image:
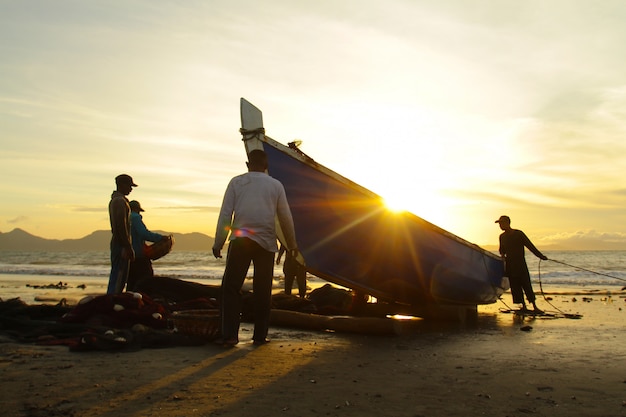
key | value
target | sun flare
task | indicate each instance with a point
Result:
(395, 205)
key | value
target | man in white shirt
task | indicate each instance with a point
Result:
(251, 203)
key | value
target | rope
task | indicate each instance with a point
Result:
(559, 313)
(587, 270)
(251, 134)
(576, 267)
(566, 315)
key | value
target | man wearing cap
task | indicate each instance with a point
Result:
(512, 244)
(121, 248)
(141, 267)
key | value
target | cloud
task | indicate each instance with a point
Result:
(17, 220)
(586, 240)
(204, 209)
(89, 209)
(619, 192)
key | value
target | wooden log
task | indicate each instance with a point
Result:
(346, 324)
(364, 325)
(298, 320)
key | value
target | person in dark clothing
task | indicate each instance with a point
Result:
(122, 253)
(141, 267)
(293, 270)
(512, 244)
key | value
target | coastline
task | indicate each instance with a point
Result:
(503, 364)
(51, 289)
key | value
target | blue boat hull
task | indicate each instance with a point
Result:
(348, 237)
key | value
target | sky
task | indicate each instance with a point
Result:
(456, 111)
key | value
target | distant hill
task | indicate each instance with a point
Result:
(20, 240)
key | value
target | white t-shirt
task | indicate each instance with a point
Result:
(252, 203)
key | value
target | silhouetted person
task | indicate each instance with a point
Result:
(121, 248)
(141, 267)
(293, 270)
(251, 204)
(512, 244)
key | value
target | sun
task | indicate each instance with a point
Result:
(398, 197)
(395, 204)
(430, 206)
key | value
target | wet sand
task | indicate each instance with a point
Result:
(502, 365)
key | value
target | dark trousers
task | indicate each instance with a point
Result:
(241, 252)
(140, 268)
(293, 270)
(520, 284)
(119, 270)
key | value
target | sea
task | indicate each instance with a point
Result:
(47, 277)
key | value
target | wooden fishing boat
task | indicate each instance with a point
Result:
(347, 236)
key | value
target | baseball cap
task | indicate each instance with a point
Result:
(135, 206)
(503, 219)
(125, 179)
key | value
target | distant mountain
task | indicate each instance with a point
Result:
(20, 240)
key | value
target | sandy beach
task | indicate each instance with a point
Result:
(502, 365)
